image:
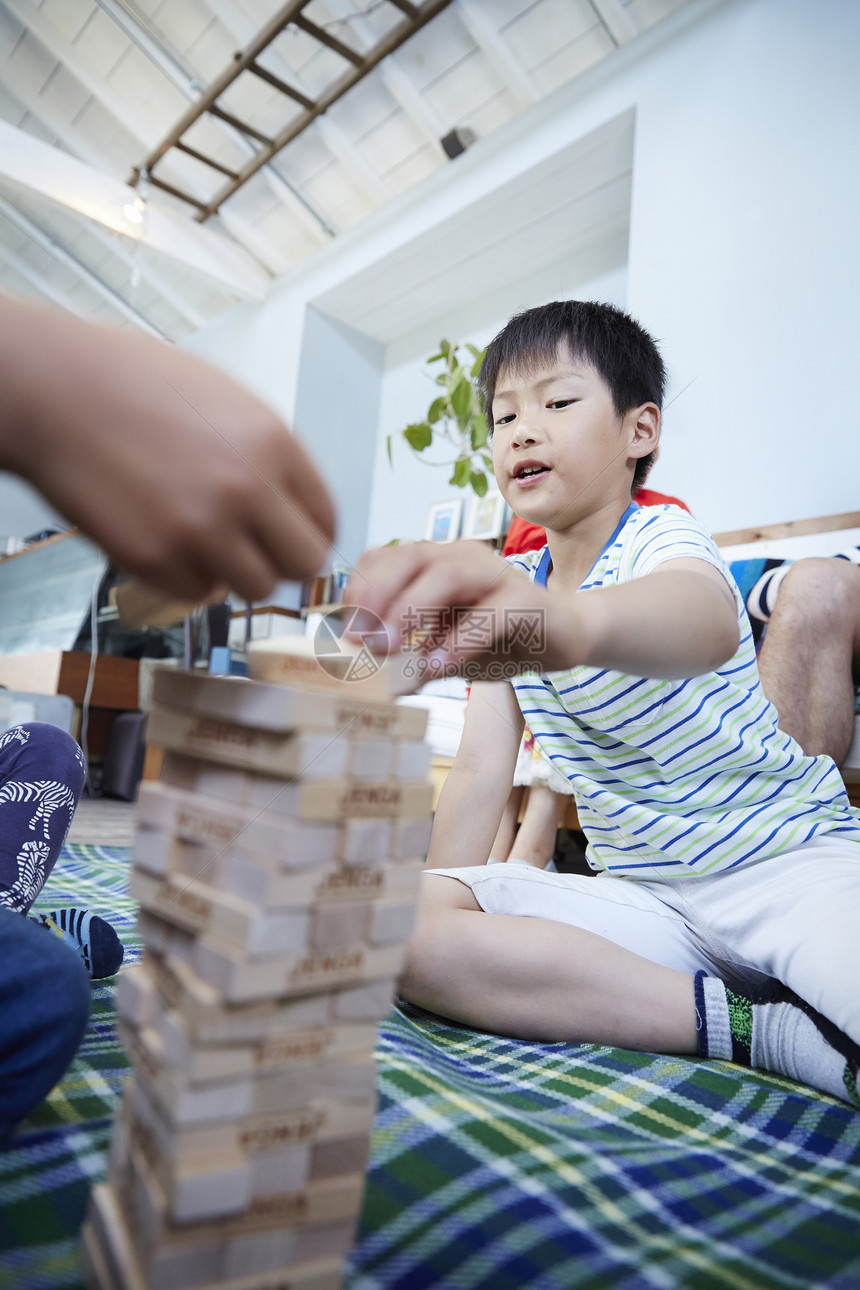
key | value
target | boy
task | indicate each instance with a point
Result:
(723, 918)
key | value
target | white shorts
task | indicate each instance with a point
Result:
(795, 917)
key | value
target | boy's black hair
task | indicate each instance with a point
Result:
(621, 352)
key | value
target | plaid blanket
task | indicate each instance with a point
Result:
(498, 1164)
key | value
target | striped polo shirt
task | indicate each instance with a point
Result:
(679, 777)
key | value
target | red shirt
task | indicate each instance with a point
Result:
(523, 536)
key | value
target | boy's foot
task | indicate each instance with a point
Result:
(771, 1029)
(90, 936)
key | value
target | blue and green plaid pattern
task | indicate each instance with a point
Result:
(498, 1164)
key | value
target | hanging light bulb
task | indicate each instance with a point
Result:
(134, 210)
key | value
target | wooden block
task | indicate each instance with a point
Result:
(391, 922)
(222, 1182)
(410, 837)
(356, 882)
(345, 1155)
(177, 844)
(328, 884)
(411, 760)
(370, 1000)
(162, 937)
(294, 844)
(248, 702)
(239, 980)
(94, 1265)
(205, 1063)
(336, 925)
(294, 1258)
(372, 758)
(358, 799)
(108, 1233)
(279, 707)
(308, 754)
(210, 1020)
(224, 917)
(319, 800)
(222, 1186)
(184, 1149)
(325, 1200)
(364, 841)
(350, 1077)
(136, 996)
(221, 784)
(293, 661)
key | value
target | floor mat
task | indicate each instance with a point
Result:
(498, 1164)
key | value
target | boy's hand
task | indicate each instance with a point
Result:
(468, 612)
(463, 609)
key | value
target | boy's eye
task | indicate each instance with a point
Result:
(503, 420)
(560, 403)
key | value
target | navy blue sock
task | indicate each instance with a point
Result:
(90, 936)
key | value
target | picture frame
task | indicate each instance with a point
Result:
(443, 520)
(485, 517)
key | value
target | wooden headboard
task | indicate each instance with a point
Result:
(791, 528)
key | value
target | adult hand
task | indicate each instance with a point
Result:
(183, 477)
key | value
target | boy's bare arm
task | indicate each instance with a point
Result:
(479, 783)
(181, 475)
(676, 622)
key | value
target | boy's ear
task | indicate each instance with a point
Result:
(644, 428)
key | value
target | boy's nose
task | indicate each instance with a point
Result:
(524, 436)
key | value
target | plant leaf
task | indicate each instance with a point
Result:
(388, 450)
(437, 409)
(461, 401)
(419, 436)
(478, 480)
(479, 434)
(487, 459)
(462, 471)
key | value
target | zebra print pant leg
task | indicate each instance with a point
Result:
(42, 776)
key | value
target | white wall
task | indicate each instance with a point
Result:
(742, 260)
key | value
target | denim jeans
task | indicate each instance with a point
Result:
(44, 987)
(44, 1008)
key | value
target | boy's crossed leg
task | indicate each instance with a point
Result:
(536, 978)
(533, 978)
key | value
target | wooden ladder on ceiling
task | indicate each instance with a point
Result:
(415, 16)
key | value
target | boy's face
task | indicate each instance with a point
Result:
(560, 450)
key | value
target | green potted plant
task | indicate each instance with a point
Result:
(454, 417)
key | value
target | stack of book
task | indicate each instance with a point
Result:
(276, 868)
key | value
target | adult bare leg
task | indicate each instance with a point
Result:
(811, 652)
(540, 980)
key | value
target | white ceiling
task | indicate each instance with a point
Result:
(103, 81)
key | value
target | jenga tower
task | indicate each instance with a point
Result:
(276, 867)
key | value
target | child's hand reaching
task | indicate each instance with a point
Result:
(462, 610)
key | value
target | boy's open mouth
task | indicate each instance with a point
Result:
(528, 472)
